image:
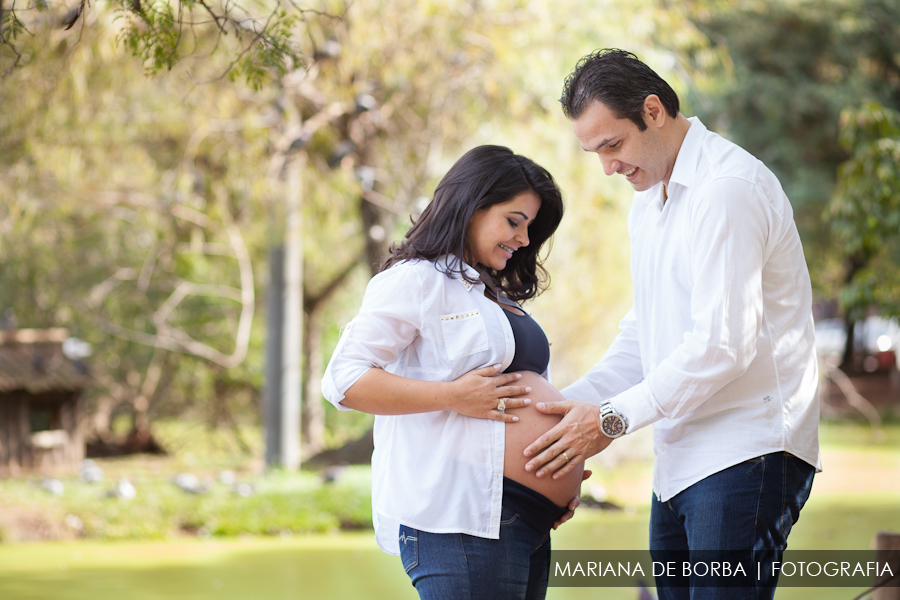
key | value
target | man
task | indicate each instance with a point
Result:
(717, 352)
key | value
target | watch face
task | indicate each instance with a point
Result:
(612, 426)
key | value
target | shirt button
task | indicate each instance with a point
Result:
(662, 447)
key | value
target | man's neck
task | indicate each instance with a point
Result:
(674, 138)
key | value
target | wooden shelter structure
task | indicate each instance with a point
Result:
(40, 407)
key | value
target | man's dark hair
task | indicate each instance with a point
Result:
(620, 81)
(481, 178)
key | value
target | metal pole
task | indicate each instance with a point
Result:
(274, 359)
(292, 340)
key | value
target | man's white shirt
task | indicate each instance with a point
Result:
(718, 350)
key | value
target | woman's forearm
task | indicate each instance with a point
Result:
(475, 394)
(378, 392)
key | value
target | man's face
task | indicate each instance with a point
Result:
(639, 156)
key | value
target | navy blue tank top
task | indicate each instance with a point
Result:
(532, 346)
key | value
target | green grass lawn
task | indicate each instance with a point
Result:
(346, 565)
(856, 496)
(349, 565)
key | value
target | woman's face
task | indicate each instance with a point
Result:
(496, 232)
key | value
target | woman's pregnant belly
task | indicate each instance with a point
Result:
(531, 425)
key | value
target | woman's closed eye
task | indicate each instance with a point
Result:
(513, 224)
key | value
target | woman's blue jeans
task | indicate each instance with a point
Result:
(747, 509)
(456, 566)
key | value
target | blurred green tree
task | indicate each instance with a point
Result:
(141, 221)
(128, 218)
(864, 213)
(781, 74)
(775, 77)
(256, 37)
(128, 193)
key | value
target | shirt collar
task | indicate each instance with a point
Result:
(447, 261)
(450, 264)
(685, 169)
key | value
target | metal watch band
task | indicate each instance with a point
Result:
(612, 423)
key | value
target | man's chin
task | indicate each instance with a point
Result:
(640, 186)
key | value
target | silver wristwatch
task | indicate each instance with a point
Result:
(612, 423)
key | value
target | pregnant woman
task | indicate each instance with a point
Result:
(443, 355)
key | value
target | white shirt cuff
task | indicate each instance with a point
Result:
(638, 406)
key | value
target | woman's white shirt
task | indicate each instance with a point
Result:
(440, 472)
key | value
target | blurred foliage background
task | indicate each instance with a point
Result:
(147, 149)
(149, 155)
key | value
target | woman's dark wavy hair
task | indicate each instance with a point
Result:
(483, 177)
(620, 81)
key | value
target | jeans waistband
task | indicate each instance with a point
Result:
(535, 509)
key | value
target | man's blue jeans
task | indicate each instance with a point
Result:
(451, 566)
(746, 510)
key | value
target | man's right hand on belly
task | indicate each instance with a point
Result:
(576, 438)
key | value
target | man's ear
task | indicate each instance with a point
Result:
(654, 112)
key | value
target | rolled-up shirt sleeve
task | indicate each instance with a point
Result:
(389, 320)
(729, 232)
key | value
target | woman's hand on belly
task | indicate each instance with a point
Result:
(530, 426)
(479, 392)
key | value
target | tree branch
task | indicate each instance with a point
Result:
(310, 301)
(237, 27)
(5, 41)
(215, 17)
(854, 398)
(99, 292)
(176, 339)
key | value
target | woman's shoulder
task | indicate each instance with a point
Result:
(410, 285)
(407, 273)
(426, 270)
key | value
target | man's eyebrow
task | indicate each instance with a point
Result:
(598, 146)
